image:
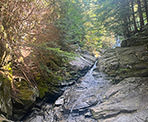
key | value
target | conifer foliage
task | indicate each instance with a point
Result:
(123, 17)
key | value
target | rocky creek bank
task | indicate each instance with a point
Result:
(77, 68)
(119, 95)
(127, 99)
(76, 102)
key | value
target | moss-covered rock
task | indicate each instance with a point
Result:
(5, 96)
(48, 84)
(24, 98)
(27, 93)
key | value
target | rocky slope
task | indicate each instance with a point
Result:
(127, 99)
(124, 102)
(125, 62)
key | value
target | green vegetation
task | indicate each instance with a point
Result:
(38, 38)
(123, 17)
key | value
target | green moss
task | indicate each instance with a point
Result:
(26, 93)
(42, 91)
(43, 88)
(5, 95)
(48, 84)
(124, 70)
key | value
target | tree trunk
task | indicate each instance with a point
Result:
(128, 17)
(140, 14)
(133, 14)
(146, 9)
(126, 27)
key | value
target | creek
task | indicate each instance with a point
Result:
(75, 103)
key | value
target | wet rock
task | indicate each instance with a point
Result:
(36, 119)
(48, 107)
(58, 113)
(95, 74)
(82, 62)
(64, 84)
(91, 100)
(84, 103)
(81, 119)
(59, 101)
(88, 114)
(75, 99)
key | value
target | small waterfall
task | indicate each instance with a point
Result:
(94, 66)
(118, 42)
(90, 78)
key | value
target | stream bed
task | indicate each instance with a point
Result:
(76, 102)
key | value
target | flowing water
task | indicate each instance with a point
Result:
(88, 94)
(78, 100)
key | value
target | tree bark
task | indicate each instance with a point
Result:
(126, 27)
(140, 14)
(146, 9)
(133, 14)
(128, 17)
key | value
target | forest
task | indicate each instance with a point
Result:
(39, 39)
